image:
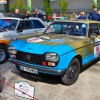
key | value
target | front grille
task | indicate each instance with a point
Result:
(30, 58)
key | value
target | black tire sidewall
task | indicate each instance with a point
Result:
(65, 77)
(6, 54)
(1, 87)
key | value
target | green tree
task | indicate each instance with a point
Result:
(63, 4)
(20, 4)
(47, 8)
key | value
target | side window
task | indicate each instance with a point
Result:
(37, 24)
(25, 25)
(20, 26)
(94, 29)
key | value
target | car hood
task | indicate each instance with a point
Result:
(48, 43)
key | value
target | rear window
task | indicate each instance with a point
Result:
(37, 24)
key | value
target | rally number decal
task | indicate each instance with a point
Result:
(97, 47)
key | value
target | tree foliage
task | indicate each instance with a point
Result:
(20, 4)
(47, 7)
(63, 4)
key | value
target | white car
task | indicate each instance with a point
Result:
(16, 28)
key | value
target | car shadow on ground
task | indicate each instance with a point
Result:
(45, 78)
(50, 79)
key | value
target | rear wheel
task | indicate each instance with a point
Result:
(3, 54)
(72, 73)
(0, 86)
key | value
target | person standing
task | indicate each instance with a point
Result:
(38, 14)
(27, 14)
(95, 16)
(76, 15)
(82, 16)
(17, 13)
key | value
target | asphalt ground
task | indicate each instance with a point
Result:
(49, 87)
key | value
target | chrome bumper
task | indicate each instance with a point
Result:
(40, 69)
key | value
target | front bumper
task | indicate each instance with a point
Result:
(40, 69)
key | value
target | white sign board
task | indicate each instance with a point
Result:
(23, 89)
(3, 1)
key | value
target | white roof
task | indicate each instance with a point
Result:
(20, 18)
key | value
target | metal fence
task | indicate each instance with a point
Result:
(70, 11)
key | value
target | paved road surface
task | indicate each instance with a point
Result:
(50, 88)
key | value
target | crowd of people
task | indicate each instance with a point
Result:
(27, 14)
(92, 16)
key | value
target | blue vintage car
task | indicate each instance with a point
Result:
(63, 49)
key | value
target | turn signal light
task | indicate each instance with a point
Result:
(51, 64)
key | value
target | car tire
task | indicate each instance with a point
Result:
(0, 86)
(72, 73)
(3, 54)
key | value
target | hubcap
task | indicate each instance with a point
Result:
(2, 55)
(73, 72)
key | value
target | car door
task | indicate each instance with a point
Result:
(93, 44)
(25, 29)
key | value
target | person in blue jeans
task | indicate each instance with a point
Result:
(82, 16)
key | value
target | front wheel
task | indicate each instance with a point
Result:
(3, 54)
(72, 73)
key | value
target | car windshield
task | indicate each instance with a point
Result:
(9, 24)
(69, 28)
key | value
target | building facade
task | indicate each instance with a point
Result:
(73, 4)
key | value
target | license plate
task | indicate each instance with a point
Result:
(30, 70)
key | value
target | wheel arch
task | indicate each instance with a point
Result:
(3, 45)
(79, 57)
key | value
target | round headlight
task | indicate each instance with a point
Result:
(12, 50)
(52, 57)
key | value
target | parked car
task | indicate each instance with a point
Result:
(63, 49)
(15, 28)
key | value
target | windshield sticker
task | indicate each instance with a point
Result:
(56, 40)
(83, 25)
(34, 39)
(97, 47)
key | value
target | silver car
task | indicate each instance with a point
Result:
(16, 28)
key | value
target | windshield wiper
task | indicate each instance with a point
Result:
(76, 34)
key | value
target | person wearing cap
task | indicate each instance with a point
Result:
(82, 16)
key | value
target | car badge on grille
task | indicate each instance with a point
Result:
(28, 57)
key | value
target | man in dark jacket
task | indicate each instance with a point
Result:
(38, 14)
(95, 16)
(82, 16)
(16, 14)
